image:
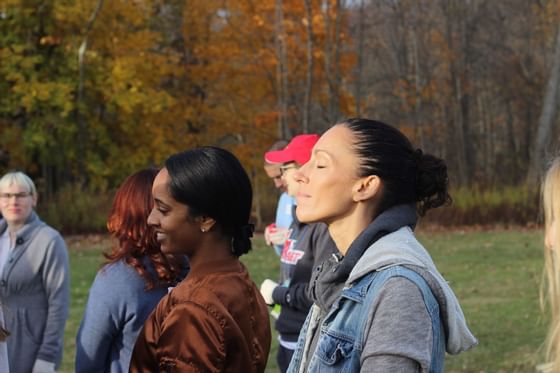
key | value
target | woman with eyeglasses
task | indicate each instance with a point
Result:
(34, 286)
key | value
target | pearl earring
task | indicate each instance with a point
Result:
(202, 230)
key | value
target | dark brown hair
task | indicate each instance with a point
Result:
(408, 175)
(211, 181)
(128, 224)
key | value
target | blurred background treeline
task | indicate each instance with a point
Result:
(92, 90)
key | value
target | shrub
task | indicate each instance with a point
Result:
(508, 206)
(74, 210)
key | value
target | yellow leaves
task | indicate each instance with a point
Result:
(157, 81)
(33, 94)
(127, 90)
(20, 68)
(17, 58)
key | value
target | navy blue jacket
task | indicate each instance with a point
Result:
(316, 245)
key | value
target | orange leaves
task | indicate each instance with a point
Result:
(159, 77)
(258, 20)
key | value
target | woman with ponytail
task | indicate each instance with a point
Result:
(380, 304)
(215, 320)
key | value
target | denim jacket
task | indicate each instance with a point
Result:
(343, 331)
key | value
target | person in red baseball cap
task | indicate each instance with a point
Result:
(305, 247)
(298, 150)
(275, 234)
(293, 156)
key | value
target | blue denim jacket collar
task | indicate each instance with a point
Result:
(342, 332)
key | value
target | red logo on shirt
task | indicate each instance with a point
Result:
(289, 255)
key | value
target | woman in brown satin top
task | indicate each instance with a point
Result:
(215, 320)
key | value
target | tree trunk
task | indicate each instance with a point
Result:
(360, 63)
(309, 77)
(418, 84)
(82, 127)
(458, 73)
(326, 6)
(281, 73)
(335, 92)
(546, 119)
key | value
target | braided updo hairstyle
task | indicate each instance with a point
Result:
(408, 175)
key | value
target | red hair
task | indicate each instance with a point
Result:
(128, 224)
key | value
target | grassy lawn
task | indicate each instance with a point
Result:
(495, 275)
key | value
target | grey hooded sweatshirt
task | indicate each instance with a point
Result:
(402, 248)
(396, 326)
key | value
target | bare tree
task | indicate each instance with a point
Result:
(281, 72)
(337, 76)
(546, 119)
(360, 54)
(82, 127)
(309, 73)
(332, 58)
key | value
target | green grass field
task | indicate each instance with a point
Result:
(496, 276)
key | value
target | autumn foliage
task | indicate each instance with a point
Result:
(93, 90)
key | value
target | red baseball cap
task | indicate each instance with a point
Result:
(298, 150)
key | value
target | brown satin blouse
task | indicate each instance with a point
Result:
(213, 321)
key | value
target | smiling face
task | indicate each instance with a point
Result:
(328, 181)
(16, 204)
(176, 230)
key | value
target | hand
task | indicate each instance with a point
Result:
(42, 366)
(270, 229)
(274, 235)
(267, 287)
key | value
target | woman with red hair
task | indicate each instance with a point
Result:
(129, 286)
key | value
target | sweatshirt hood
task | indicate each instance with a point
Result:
(402, 248)
(327, 282)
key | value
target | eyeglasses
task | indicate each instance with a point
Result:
(20, 195)
(283, 169)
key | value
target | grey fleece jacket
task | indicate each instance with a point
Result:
(35, 293)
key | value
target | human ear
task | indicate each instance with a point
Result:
(206, 223)
(366, 188)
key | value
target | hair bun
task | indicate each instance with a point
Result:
(247, 230)
(241, 242)
(431, 182)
